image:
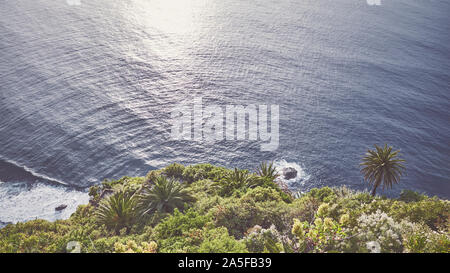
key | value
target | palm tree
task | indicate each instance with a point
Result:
(382, 166)
(237, 179)
(164, 196)
(118, 211)
(267, 170)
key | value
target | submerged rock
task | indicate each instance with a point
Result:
(61, 207)
(4, 224)
(289, 173)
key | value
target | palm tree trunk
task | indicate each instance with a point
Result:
(375, 186)
(374, 190)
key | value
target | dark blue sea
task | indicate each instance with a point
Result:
(87, 87)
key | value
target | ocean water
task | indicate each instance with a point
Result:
(86, 90)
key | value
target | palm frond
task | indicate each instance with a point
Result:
(267, 170)
(382, 167)
(118, 211)
(164, 196)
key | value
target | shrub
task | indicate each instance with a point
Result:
(204, 171)
(411, 196)
(323, 235)
(126, 184)
(132, 247)
(253, 214)
(381, 228)
(240, 214)
(151, 176)
(323, 210)
(261, 194)
(180, 232)
(324, 194)
(218, 240)
(204, 188)
(177, 223)
(260, 240)
(174, 171)
(237, 216)
(432, 211)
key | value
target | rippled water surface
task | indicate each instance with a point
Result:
(86, 90)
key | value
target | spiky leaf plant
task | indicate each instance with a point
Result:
(164, 196)
(118, 211)
(382, 166)
(267, 170)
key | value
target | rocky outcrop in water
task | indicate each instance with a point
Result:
(289, 173)
(61, 207)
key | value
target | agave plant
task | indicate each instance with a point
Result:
(164, 196)
(118, 211)
(267, 170)
(382, 166)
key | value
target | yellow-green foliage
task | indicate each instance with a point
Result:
(132, 247)
(249, 214)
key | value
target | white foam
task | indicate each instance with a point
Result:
(301, 178)
(21, 202)
(34, 173)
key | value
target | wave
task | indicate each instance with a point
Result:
(27, 195)
(23, 171)
(22, 201)
(297, 182)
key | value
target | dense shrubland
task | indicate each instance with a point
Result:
(204, 208)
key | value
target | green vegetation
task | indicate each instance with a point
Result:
(118, 211)
(204, 208)
(267, 170)
(163, 196)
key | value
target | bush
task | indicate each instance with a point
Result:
(178, 223)
(218, 240)
(260, 240)
(204, 171)
(240, 214)
(132, 247)
(431, 211)
(411, 196)
(261, 194)
(174, 171)
(181, 232)
(379, 227)
(324, 235)
(237, 217)
(247, 213)
(324, 194)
